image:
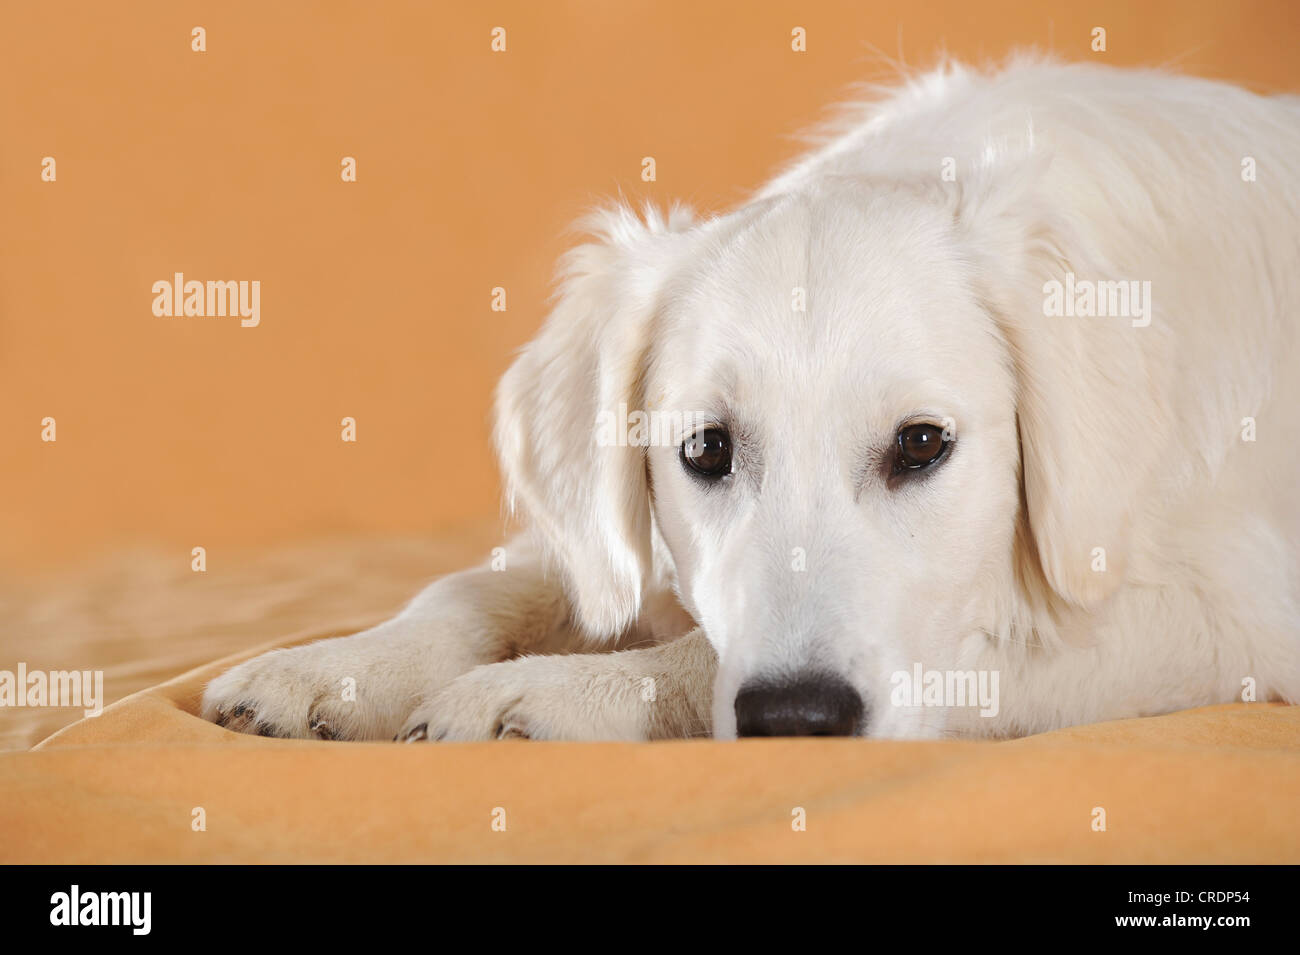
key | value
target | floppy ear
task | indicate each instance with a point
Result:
(1093, 410)
(588, 499)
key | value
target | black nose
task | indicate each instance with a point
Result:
(814, 704)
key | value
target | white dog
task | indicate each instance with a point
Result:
(981, 420)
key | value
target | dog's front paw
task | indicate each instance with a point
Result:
(295, 694)
(547, 697)
(490, 702)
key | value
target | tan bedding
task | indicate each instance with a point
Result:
(1219, 784)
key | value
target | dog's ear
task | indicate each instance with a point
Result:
(587, 498)
(1092, 406)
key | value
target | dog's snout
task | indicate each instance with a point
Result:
(816, 704)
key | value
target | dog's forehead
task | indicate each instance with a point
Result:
(822, 261)
(844, 281)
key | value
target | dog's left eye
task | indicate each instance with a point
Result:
(919, 446)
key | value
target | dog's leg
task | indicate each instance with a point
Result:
(663, 692)
(364, 686)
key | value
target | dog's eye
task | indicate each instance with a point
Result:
(708, 453)
(919, 446)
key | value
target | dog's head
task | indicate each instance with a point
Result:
(837, 423)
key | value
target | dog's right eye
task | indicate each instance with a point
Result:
(708, 453)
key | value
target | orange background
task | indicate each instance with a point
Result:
(174, 432)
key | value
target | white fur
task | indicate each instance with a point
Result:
(924, 297)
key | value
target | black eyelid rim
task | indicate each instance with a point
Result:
(934, 419)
